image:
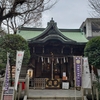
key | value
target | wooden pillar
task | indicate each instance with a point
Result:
(71, 70)
(52, 65)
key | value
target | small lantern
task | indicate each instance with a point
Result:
(30, 73)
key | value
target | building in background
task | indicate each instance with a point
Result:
(91, 27)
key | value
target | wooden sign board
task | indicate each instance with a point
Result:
(52, 83)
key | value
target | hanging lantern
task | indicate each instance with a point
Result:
(30, 73)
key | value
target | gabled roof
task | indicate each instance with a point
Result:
(41, 35)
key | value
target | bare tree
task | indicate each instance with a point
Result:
(14, 13)
(95, 5)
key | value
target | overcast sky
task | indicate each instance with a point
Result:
(69, 14)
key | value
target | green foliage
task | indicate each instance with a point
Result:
(98, 83)
(92, 51)
(11, 43)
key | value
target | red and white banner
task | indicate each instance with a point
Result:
(86, 76)
(19, 59)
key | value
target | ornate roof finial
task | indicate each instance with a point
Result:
(51, 22)
(52, 18)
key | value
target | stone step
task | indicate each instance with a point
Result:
(56, 98)
(23, 72)
(54, 94)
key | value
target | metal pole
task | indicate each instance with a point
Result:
(52, 65)
(92, 84)
(52, 69)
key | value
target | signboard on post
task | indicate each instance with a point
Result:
(7, 91)
(8, 94)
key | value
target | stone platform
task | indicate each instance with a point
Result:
(58, 94)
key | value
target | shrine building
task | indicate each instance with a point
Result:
(52, 51)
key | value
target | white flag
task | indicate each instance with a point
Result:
(19, 59)
(64, 59)
(57, 60)
(86, 76)
(48, 60)
(42, 59)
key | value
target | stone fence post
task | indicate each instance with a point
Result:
(27, 85)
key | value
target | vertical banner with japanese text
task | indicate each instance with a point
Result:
(19, 59)
(7, 93)
(86, 76)
(78, 70)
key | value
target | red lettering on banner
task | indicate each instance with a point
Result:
(19, 54)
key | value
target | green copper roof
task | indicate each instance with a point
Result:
(52, 32)
(76, 36)
(29, 34)
(73, 35)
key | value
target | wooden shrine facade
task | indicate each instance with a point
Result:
(52, 54)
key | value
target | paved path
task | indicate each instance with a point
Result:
(54, 93)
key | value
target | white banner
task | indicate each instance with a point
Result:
(93, 76)
(19, 59)
(86, 76)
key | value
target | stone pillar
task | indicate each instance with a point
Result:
(27, 85)
(19, 91)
